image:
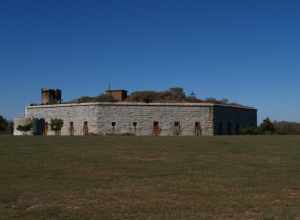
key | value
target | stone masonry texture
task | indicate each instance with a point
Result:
(139, 118)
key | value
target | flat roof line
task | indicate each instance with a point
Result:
(137, 104)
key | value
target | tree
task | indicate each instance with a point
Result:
(177, 92)
(3, 124)
(267, 127)
(10, 127)
(56, 125)
(193, 95)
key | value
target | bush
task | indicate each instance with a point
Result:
(144, 96)
(267, 127)
(173, 94)
(100, 98)
(56, 125)
(250, 131)
(25, 128)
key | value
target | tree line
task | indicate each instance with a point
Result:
(269, 127)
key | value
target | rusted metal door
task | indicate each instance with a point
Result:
(156, 128)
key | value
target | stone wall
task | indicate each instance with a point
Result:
(131, 118)
(139, 118)
(230, 120)
(77, 114)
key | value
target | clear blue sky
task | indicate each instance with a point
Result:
(245, 50)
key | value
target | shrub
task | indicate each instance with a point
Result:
(56, 125)
(144, 96)
(174, 94)
(267, 127)
(251, 131)
(100, 98)
(25, 128)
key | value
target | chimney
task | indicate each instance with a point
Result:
(51, 96)
(118, 95)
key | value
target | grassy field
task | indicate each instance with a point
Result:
(150, 178)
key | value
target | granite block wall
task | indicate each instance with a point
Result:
(138, 119)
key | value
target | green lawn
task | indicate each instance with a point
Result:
(150, 178)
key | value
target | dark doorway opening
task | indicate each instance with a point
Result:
(177, 129)
(156, 128)
(85, 128)
(71, 128)
(198, 131)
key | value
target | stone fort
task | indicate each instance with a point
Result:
(139, 118)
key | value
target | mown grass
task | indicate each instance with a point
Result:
(150, 177)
